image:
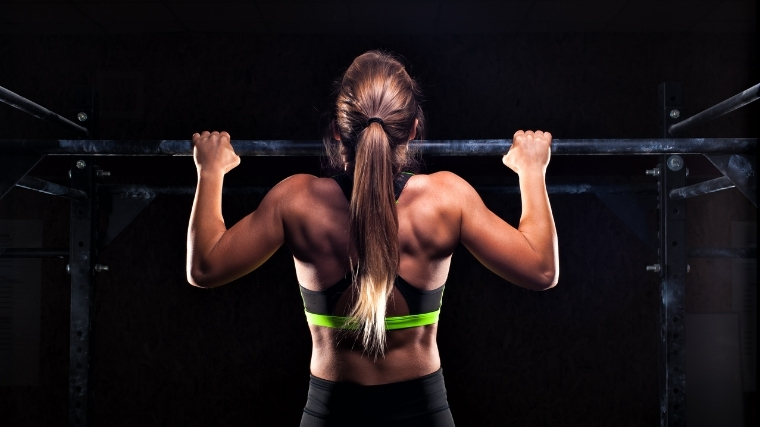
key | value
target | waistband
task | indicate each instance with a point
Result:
(397, 401)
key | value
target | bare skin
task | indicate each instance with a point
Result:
(310, 215)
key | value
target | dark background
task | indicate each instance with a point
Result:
(166, 353)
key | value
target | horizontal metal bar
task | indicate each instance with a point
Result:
(46, 187)
(34, 253)
(147, 191)
(478, 147)
(718, 110)
(722, 253)
(710, 186)
(27, 106)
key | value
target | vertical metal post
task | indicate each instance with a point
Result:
(81, 270)
(673, 268)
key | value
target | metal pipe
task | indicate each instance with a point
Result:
(718, 110)
(481, 147)
(27, 106)
(722, 252)
(710, 186)
(34, 253)
(46, 187)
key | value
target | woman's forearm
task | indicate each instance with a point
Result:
(537, 223)
(206, 224)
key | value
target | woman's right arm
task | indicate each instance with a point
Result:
(526, 256)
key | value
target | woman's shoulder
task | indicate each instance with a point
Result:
(445, 190)
(306, 189)
(441, 182)
(300, 182)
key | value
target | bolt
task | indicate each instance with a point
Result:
(655, 268)
(103, 173)
(101, 268)
(675, 163)
(653, 172)
(675, 114)
(68, 268)
(69, 173)
(81, 164)
(687, 171)
(82, 116)
(688, 268)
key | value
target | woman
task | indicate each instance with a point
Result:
(372, 248)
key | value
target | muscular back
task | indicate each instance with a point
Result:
(316, 231)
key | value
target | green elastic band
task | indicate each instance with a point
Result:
(391, 323)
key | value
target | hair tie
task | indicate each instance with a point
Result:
(374, 120)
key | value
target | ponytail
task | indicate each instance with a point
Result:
(377, 110)
(374, 234)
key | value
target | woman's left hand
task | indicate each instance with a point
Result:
(213, 151)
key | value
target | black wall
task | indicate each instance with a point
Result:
(165, 353)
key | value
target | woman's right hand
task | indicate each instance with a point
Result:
(213, 151)
(529, 150)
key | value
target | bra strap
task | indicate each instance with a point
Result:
(346, 183)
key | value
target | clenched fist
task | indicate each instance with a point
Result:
(213, 151)
(529, 150)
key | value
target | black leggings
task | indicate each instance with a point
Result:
(420, 402)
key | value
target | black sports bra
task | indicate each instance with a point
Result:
(419, 301)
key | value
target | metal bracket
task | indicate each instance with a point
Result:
(122, 210)
(633, 210)
(741, 170)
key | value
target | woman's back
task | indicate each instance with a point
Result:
(316, 233)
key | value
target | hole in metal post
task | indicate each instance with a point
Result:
(675, 390)
(675, 211)
(675, 319)
(79, 349)
(80, 244)
(78, 389)
(80, 212)
(675, 243)
(79, 333)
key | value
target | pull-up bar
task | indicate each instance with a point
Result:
(476, 147)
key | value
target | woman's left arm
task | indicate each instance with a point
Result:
(216, 255)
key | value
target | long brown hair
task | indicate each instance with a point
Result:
(376, 85)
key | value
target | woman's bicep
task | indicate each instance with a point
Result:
(245, 246)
